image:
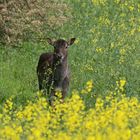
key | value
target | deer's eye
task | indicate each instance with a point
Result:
(66, 47)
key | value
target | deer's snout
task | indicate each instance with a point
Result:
(59, 56)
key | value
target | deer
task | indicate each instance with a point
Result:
(53, 71)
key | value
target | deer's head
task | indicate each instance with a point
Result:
(60, 48)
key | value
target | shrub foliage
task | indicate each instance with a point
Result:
(25, 20)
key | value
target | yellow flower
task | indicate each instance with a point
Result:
(99, 2)
(99, 49)
(122, 51)
(111, 118)
(76, 41)
(91, 138)
(122, 83)
(88, 88)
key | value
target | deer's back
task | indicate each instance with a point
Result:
(45, 61)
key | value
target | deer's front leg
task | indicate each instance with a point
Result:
(65, 86)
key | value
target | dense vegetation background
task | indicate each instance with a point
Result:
(106, 50)
(103, 100)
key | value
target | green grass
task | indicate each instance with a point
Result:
(107, 50)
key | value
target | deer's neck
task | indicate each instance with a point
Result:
(60, 71)
(57, 64)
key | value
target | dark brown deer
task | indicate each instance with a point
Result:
(52, 69)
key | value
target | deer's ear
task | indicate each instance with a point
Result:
(50, 41)
(71, 41)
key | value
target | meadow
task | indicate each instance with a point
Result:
(103, 99)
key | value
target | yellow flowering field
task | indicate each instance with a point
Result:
(115, 117)
(103, 102)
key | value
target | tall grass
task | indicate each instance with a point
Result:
(107, 50)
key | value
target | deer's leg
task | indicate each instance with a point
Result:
(65, 86)
(39, 82)
(51, 98)
(40, 86)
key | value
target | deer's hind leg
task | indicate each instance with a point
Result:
(40, 81)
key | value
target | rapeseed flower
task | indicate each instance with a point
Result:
(113, 117)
